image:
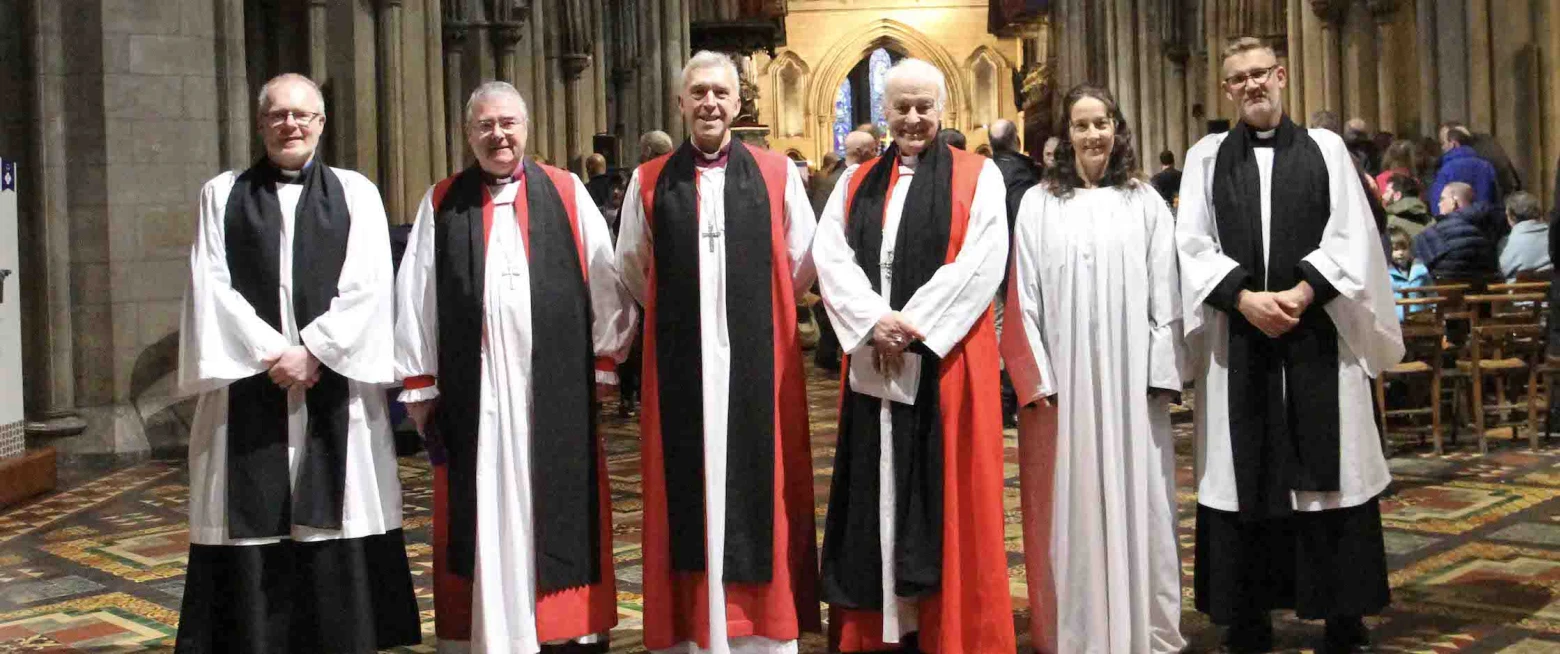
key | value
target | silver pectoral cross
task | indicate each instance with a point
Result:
(888, 263)
(511, 273)
(712, 232)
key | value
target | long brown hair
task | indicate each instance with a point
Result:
(1122, 170)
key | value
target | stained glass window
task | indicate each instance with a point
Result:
(878, 65)
(843, 116)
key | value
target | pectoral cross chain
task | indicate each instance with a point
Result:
(712, 232)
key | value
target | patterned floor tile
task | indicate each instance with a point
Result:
(1536, 533)
(1473, 542)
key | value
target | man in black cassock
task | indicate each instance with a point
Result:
(1289, 311)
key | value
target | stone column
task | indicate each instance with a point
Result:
(317, 42)
(438, 166)
(1295, 34)
(674, 53)
(1152, 87)
(574, 66)
(541, 80)
(455, 35)
(1359, 63)
(390, 116)
(1176, 115)
(549, 14)
(1429, 97)
(52, 381)
(1382, 13)
(1126, 64)
(1481, 96)
(1331, 13)
(600, 64)
(653, 96)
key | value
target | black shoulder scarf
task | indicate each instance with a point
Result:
(851, 559)
(261, 501)
(750, 429)
(1283, 393)
(564, 476)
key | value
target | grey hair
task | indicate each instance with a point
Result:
(263, 100)
(916, 69)
(493, 89)
(1522, 205)
(654, 144)
(708, 59)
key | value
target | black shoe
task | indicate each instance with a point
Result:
(1249, 636)
(1345, 636)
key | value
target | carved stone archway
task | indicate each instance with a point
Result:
(837, 62)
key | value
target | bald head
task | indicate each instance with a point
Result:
(1003, 135)
(860, 147)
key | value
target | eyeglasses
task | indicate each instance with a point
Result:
(279, 118)
(509, 125)
(1260, 76)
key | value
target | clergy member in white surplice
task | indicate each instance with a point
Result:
(295, 506)
(1094, 348)
(1289, 312)
(910, 251)
(714, 244)
(507, 301)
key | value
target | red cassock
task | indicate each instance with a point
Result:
(675, 603)
(973, 611)
(565, 614)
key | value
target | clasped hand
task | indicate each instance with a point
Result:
(1275, 313)
(890, 337)
(294, 366)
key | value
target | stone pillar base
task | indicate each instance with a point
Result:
(756, 135)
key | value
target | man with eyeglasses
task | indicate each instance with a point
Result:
(1289, 310)
(510, 314)
(295, 504)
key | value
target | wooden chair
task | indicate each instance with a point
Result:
(1424, 329)
(1506, 336)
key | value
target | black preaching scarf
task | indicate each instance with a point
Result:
(261, 502)
(564, 477)
(1283, 393)
(852, 572)
(750, 427)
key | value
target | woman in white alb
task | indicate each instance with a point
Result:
(1093, 347)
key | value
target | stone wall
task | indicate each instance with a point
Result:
(828, 37)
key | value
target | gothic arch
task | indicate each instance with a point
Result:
(789, 75)
(838, 61)
(990, 86)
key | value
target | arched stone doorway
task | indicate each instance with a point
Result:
(894, 38)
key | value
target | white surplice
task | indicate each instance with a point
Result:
(504, 580)
(1094, 276)
(1369, 339)
(636, 256)
(223, 340)
(943, 309)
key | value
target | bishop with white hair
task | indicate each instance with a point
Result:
(295, 506)
(910, 250)
(508, 279)
(714, 243)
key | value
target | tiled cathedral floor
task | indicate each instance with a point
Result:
(1473, 542)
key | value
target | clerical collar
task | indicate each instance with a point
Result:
(494, 180)
(717, 159)
(1264, 139)
(910, 160)
(285, 176)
